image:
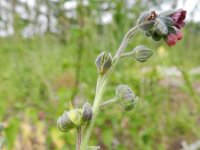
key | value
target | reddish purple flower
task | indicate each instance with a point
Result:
(173, 38)
(168, 25)
(178, 18)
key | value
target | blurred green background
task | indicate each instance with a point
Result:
(47, 54)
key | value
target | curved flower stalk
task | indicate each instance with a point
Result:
(167, 26)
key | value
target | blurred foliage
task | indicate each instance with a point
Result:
(38, 76)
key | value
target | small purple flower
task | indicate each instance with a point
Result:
(178, 18)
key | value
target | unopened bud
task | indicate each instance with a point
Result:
(64, 123)
(161, 28)
(75, 118)
(146, 21)
(126, 96)
(87, 112)
(104, 62)
(142, 53)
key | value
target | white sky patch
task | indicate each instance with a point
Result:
(43, 9)
(188, 5)
(105, 18)
(69, 5)
(31, 3)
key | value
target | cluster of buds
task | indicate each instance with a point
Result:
(166, 25)
(75, 118)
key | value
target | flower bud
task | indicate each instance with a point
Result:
(126, 96)
(87, 112)
(103, 62)
(64, 123)
(146, 21)
(142, 53)
(75, 118)
(161, 28)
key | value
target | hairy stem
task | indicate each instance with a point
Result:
(108, 102)
(126, 54)
(78, 142)
(101, 85)
(125, 41)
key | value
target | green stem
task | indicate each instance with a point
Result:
(125, 41)
(128, 54)
(101, 85)
(78, 142)
(109, 102)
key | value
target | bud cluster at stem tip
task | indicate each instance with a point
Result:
(166, 25)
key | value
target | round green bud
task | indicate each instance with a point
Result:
(64, 123)
(142, 53)
(126, 96)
